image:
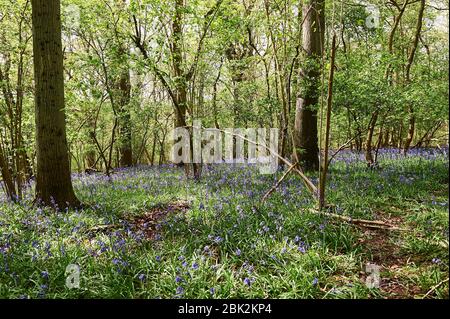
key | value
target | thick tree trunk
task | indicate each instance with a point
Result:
(53, 180)
(305, 128)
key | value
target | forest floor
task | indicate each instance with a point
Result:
(150, 233)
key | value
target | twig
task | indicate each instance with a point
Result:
(278, 183)
(342, 147)
(434, 288)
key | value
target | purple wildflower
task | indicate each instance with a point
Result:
(44, 275)
(180, 290)
(436, 261)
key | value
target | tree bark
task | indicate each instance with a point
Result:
(305, 128)
(412, 118)
(125, 149)
(373, 121)
(53, 180)
(6, 177)
(125, 127)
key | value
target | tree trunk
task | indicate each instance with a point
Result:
(125, 149)
(412, 118)
(369, 156)
(53, 180)
(6, 177)
(181, 101)
(305, 128)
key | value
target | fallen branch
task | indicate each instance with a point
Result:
(374, 224)
(342, 147)
(309, 184)
(305, 179)
(102, 228)
(274, 188)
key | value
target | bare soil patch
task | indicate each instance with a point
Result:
(149, 221)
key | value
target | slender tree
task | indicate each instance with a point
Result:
(53, 181)
(124, 88)
(126, 150)
(412, 54)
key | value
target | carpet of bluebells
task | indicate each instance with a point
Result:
(230, 245)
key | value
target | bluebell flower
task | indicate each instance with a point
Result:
(44, 274)
(238, 252)
(180, 290)
(436, 261)
(62, 250)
